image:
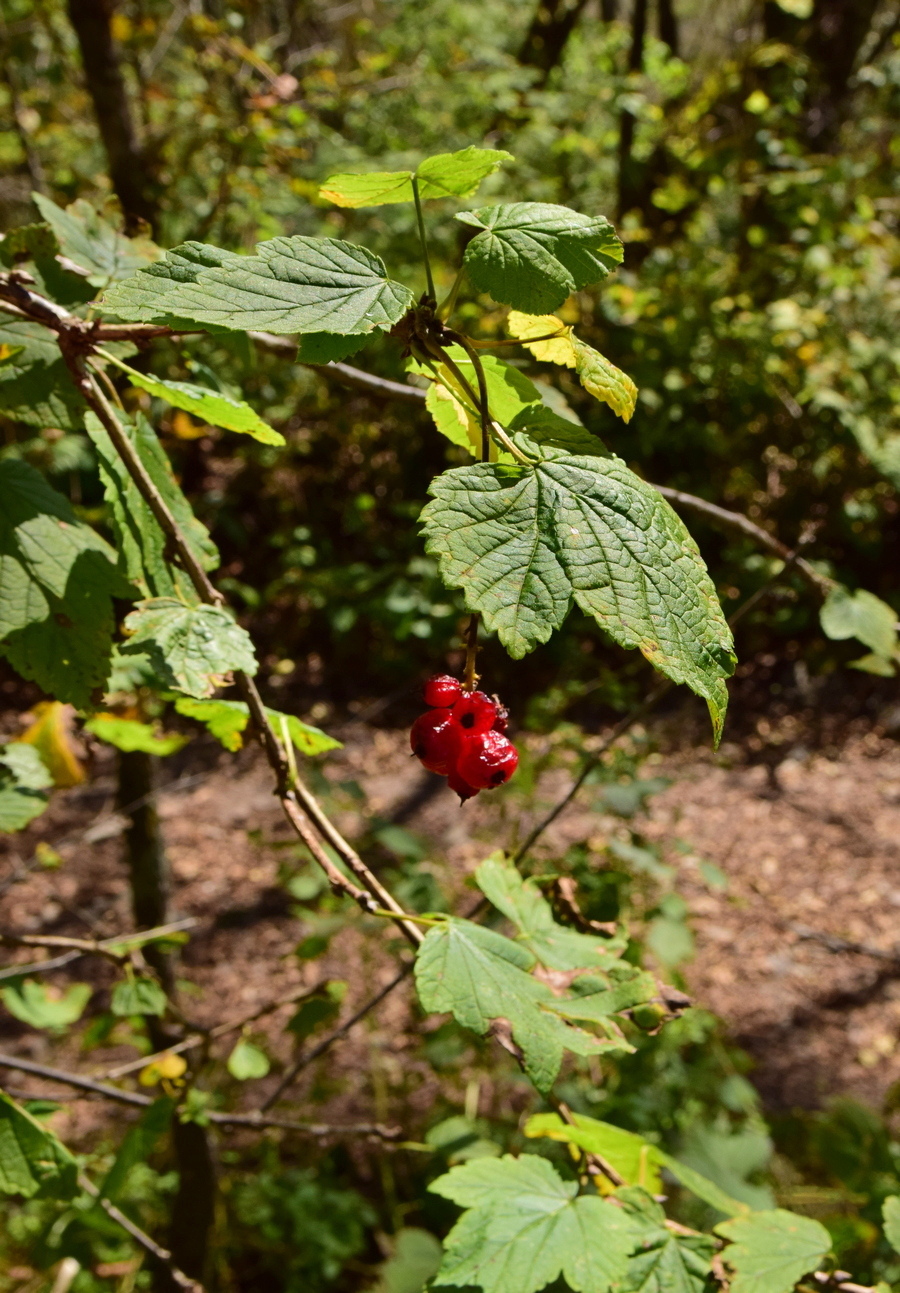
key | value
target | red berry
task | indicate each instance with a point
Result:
(474, 712)
(501, 722)
(488, 759)
(435, 740)
(442, 689)
(461, 786)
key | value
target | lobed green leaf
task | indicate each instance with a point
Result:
(194, 649)
(770, 1251)
(24, 782)
(446, 175)
(32, 1160)
(525, 542)
(533, 255)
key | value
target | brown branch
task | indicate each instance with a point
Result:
(140, 1237)
(737, 521)
(833, 943)
(87, 947)
(255, 1118)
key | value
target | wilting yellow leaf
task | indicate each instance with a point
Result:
(558, 350)
(50, 732)
(169, 1067)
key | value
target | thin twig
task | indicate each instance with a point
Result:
(87, 947)
(327, 1042)
(140, 1237)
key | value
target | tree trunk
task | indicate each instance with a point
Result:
(609, 10)
(547, 36)
(627, 179)
(106, 86)
(668, 25)
(194, 1206)
(831, 38)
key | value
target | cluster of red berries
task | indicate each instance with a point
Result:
(462, 737)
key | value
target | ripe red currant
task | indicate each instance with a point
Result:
(487, 759)
(435, 739)
(501, 722)
(442, 689)
(461, 786)
(475, 712)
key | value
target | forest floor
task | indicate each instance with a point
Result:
(811, 855)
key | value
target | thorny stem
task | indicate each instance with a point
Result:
(421, 220)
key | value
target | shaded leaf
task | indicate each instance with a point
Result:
(142, 544)
(860, 615)
(524, 542)
(41, 1007)
(137, 1145)
(416, 1257)
(57, 578)
(533, 255)
(890, 1211)
(24, 779)
(524, 1226)
(193, 648)
(129, 734)
(770, 1251)
(328, 347)
(138, 996)
(92, 242)
(32, 1160)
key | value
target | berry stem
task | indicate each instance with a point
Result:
(470, 677)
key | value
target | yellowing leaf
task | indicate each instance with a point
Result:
(559, 350)
(185, 429)
(603, 380)
(50, 732)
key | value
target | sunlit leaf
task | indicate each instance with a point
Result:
(194, 649)
(32, 1160)
(770, 1251)
(128, 734)
(24, 780)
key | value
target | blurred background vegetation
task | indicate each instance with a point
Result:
(748, 152)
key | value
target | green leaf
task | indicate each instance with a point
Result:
(633, 1157)
(510, 394)
(138, 996)
(24, 781)
(35, 384)
(291, 285)
(860, 615)
(128, 734)
(137, 1145)
(148, 296)
(770, 1251)
(33, 1003)
(416, 1257)
(193, 648)
(212, 406)
(541, 432)
(458, 175)
(664, 1262)
(524, 542)
(447, 175)
(604, 381)
(57, 578)
(524, 1226)
(313, 1013)
(480, 976)
(555, 946)
(726, 1160)
(328, 347)
(890, 1211)
(91, 242)
(227, 719)
(141, 542)
(533, 255)
(32, 1160)
(247, 1061)
(872, 663)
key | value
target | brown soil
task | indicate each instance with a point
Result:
(813, 850)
